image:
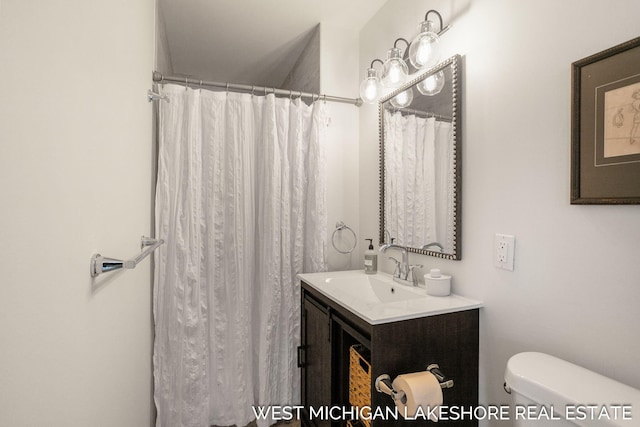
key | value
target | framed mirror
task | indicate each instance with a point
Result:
(420, 163)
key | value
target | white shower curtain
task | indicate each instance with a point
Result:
(240, 202)
(419, 181)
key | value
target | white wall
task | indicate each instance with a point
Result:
(574, 292)
(75, 178)
(163, 57)
(339, 73)
(305, 73)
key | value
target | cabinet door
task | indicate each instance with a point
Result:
(316, 355)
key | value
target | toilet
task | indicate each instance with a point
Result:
(547, 391)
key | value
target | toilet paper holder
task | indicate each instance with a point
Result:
(383, 383)
(442, 379)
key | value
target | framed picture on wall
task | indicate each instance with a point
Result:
(605, 126)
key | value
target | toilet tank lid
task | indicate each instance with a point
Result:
(548, 380)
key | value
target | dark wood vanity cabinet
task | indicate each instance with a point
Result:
(329, 330)
(315, 355)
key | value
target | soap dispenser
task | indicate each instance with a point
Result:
(370, 259)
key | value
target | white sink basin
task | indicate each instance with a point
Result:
(370, 289)
(378, 299)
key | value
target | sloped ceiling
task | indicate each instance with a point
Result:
(250, 41)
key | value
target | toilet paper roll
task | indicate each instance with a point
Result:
(421, 389)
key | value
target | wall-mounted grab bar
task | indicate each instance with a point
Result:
(100, 264)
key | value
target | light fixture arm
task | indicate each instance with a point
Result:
(401, 39)
(376, 60)
(442, 28)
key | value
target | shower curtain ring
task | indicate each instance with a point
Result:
(290, 94)
(227, 87)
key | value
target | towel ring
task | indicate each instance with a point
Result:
(339, 227)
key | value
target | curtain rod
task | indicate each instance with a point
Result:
(159, 78)
(420, 113)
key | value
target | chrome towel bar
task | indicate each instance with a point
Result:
(100, 264)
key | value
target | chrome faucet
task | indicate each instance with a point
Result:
(403, 269)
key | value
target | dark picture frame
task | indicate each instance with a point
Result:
(605, 126)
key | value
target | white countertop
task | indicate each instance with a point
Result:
(377, 299)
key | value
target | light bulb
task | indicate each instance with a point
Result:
(370, 88)
(395, 69)
(424, 51)
(403, 99)
(432, 85)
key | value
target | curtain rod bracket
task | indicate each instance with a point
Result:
(153, 96)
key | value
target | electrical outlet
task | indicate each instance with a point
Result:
(504, 249)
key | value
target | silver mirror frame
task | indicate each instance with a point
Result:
(454, 62)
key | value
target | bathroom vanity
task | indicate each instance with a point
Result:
(404, 330)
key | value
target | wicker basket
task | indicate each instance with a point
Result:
(358, 423)
(360, 378)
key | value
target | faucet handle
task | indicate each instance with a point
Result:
(414, 278)
(396, 271)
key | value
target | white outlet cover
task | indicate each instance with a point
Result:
(503, 251)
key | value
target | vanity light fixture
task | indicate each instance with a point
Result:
(424, 50)
(371, 86)
(395, 71)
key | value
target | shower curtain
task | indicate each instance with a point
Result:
(240, 201)
(419, 182)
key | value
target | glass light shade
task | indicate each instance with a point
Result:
(424, 51)
(395, 69)
(432, 85)
(371, 87)
(403, 99)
